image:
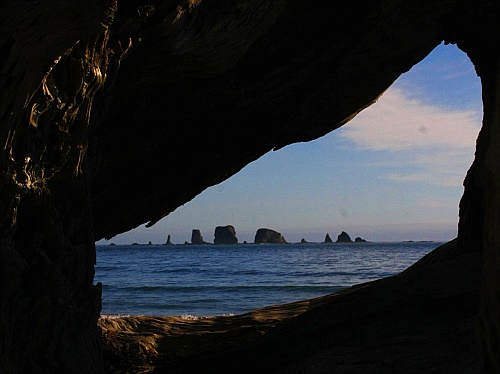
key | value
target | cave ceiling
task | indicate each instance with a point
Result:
(189, 92)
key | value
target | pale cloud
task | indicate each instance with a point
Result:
(428, 143)
(397, 122)
(429, 177)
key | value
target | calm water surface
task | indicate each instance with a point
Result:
(207, 280)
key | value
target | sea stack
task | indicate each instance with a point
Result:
(268, 236)
(359, 240)
(225, 235)
(196, 237)
(303, 241)
(328, 239)
(169, 241)
(344, 238)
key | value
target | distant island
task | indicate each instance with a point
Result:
(343, 237)
(226, 235)
(268, 236)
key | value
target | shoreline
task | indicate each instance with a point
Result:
(401, 324)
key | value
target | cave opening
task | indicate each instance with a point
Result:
(395, 160)
(123, 91)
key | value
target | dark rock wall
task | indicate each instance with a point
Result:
(114, 113)
(477, 32)
(489, 216)
(53, 60)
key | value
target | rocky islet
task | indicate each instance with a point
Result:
(226, 235)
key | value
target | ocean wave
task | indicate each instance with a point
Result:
(113, 316)
(235, 279)
(191, 317)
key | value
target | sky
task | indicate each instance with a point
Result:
(393, 173)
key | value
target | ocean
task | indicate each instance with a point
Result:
(209, 280)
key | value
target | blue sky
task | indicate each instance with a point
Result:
(393, 173)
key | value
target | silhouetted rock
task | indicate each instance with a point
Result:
(196, 237)
(303, 241)
(328, 239)
(268, 236)
(359, 240)
(225, 235)
(74, 159)
(344, 238)
(169, 242)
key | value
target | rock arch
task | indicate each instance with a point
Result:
(104, 102)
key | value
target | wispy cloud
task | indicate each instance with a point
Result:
(433, 144)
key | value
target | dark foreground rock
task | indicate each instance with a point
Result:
(268, 236)
(420, 321)
(344, 238)
(225, 235)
